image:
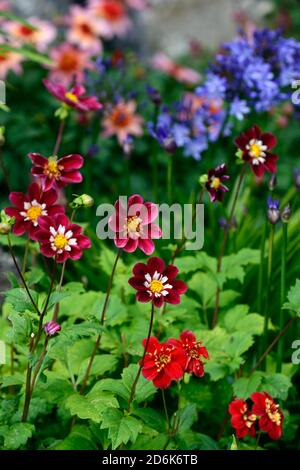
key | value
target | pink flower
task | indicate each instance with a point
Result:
(182, 74)
(112, 17)
(61, 239)
(122, 121)
(29, 207)
(73, 97)
(134, 225)
(9, 61)
(51, 328)
(69, 64)
(40, 36)
(53, 172)
(156, 282)
(84, 29)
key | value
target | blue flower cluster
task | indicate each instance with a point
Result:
(249, 74)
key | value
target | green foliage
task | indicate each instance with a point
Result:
(16, 435)
(121, 428)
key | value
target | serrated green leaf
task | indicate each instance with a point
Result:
(80, 438)
(80, 406)
(20, 300)
(17, 435)
(101, 364)
(294, 299)
(144, 389)
(245, 386)
(121, 428)
(277, 385)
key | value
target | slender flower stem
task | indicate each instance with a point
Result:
(38, 365)
(274, 342)
(262, 269)
(28, 385)
(59, 137)
(166, 409)
(25, 257)
(59, 287)
(269, 279)
(102, 319)
(224, 243)
(21, 275)
(282, 294)
(45, 308)
(133, 388)
(170, 179)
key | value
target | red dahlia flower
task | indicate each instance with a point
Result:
(269, 413)
(60, 238)
(256, 147)
(73, 97)
(31, 206)
(214, 184)
(194, 353)
(242, 420)
(134, 225)
(54, 172)
(163, 362)
(156, 283)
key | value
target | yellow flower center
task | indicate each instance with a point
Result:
(272, 412)
(156, 286)
(60, 241)
(193, 354)
(255, 150)
(52, 168)
(133, 224)
(34, 213)
(215, 184)
(71, 97)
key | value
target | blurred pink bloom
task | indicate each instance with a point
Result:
(112, 17)
(10, 61)
(73, 97)
(162, 62)
(84, 29)
(69, 64)
(122, 121)
(40, 36)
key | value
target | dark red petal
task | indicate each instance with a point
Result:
(143, 296)
(137, 283)
(71, 162)
(269, 140)
(158, 301)
(171, 272)
(140, 269)
(179, 286)
(71, 177)
(18, 199)
(155, 264)
(131, 245)
(38, 159)
(135, 199)
(173, 297)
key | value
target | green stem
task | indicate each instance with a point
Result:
(269, 279)
(25, 257)
(133, 388)
(169, 179)
(262, 269)
(166, 409)
(59, 137)
(282, 294)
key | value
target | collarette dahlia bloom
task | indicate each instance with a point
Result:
(163, 363)
(29, 207)
(84, 29)
(242, 420)
(214, 182)
(255, 147)
(69, 64)
(60, 238)
(53, 172)
(269, 413)
(74, 97)
(122, 121)
(40, 35)
(156, 283)
(133, 224)
(194, 352)
(186, 75)
(112, 16)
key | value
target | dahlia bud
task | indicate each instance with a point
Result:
(273, 182)
(297, 178)
(286, 214)
(154, 95)
(239, 155)
(51, 328)
(82, 201)
(203, 180)
(273, 211)
(6, 223)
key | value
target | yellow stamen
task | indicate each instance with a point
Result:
(133, 224)
(255, 150)
(272, 412)
(71, 97)
(156, 286)
(52, 168)
(216, 182)
(34, 213)
(60, 241)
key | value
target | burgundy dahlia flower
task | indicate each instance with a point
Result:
(74, 97)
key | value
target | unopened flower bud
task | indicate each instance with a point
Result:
(154, 95)
(4, 228)
(82, 201)
(6, 223)
(286, 214)
(239, 155)
(273, 211)
(203, 180)
(51, 328)
(273, 182)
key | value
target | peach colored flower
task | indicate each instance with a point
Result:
(69, 64)
(9, 61)
(84, 29)
(112, 16)
(122, 121)
(162, 62)
(40, 36)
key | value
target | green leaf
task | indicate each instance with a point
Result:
(80, 438)
(238, 343)
(27, 53)
(187, 417)
(101, 364)
(277, 385)
(144, 389)
(114, 386)
(19, 299)
(294, 299)
(16, 435)
(80, 406)
(151, 418)
(121, 429)
(21, 327)
(57, 297)
(234, 445)
(245, 386)
(16, 379)
(34, 276)
(190, 440)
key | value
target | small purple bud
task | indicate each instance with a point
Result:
(286, 214)
(169, 145)
(154, 95)
(273, 210)
(297, 178)
(51, 328)
(226, 225)
(273, 182)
